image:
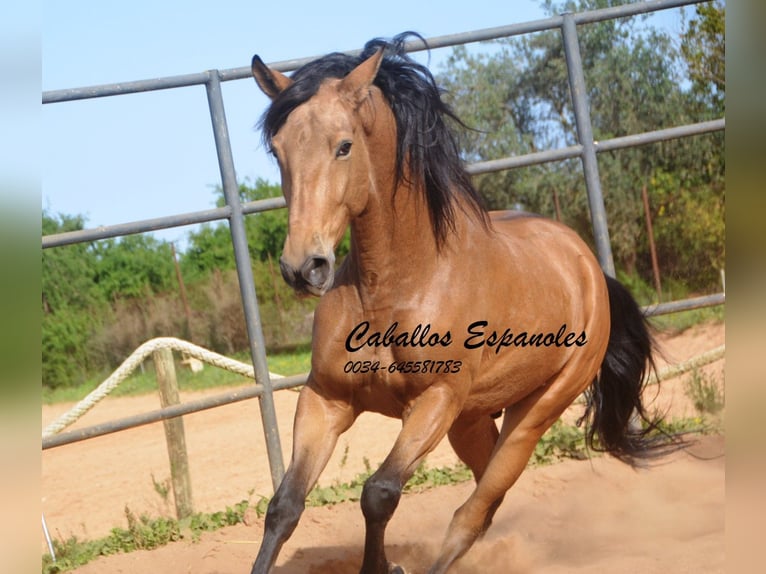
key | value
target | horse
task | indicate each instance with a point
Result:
(442, 314)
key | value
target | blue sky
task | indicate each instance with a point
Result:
(140, 156)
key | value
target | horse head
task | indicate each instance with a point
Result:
(324, 161)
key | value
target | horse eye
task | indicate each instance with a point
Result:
(343, 149)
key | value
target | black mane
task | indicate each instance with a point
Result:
(426, 143)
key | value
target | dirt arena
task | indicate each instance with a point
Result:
(575, 516)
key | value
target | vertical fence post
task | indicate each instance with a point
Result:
(585, 137)
(245, 275)
(174, 433)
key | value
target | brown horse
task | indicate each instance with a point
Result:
(442, 314)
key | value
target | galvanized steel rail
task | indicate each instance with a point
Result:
(234, 211)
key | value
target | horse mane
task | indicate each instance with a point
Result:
(427, 152)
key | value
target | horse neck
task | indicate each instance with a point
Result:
(392, 242)
(393, 233)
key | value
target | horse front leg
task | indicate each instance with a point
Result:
(424, 425)
(319, 422)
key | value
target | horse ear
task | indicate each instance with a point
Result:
(355, 85)
(272, 82)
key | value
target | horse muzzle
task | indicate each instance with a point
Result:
(315, 275)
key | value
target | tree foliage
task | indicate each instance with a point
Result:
(103, 299)
(516, 96)
(210, 248)
(69, 294)
(133, 266)
(703, 47)
(68, 273)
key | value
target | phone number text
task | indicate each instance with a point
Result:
(426, 367)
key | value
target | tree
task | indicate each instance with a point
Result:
(517, 97)
(68, 272)
(209, 260)
(211, 248)
(266, 230)
(133, 266)
(68, 296)
(689, 203)
(703, 47)
(78, 284)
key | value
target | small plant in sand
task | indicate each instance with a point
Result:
(706, 393)
(162, 488)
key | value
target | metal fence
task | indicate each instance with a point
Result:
(234, 211)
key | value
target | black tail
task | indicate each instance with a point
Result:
(621, 426)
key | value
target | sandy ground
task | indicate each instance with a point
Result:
(576, 516)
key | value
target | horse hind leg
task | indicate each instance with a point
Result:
(523, 426)
(474, 442)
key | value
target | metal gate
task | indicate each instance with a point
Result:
(234, 212)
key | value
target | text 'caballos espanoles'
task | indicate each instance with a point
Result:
(477, 335)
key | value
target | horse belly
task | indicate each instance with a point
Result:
(501, 383)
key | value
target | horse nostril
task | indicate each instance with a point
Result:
(315, 276)
(316, 271)
(288, 272)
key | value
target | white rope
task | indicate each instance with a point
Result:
(673, 371)
(689, 365)
(131, 363)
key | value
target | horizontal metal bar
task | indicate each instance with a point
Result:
(661, 135)
(239, 73)
(524, 160)
(486, 34)
(684, 305)
(632, 9)
(432, 43)
(145, 225)
(601, 146)
(107, 231)
(264, 205)
(173, 411)
(122, 88)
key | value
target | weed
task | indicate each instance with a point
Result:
(262, 506)
(143, 533)
(339, 492)
(684, 426)
(199, 523)
(425, 478)
(162, 488)
(560, 441)
(705, 392)
(344, 458)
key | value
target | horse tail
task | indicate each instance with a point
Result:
(620, 424)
